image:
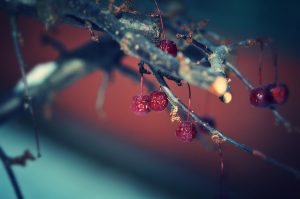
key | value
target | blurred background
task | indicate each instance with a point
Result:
(120, 155)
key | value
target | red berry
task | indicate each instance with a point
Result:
(168, 47)
(158, 101)
(186, 131)
(261, 97)
(210, 121)
(140, 104)
(279, 92)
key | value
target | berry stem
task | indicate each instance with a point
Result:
(261, 56)
(260, 75)
(142, 84)
(161, 21)
(189, 103)
(206, 104)
(222, 169)
(22, 67)
(275, 64)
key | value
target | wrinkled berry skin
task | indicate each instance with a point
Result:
(261, 97)
(279, 92)
(158, 101)
(186, 131)
(140, 104)
(168, 47)
(210, 121)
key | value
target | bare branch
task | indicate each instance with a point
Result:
(27, 95)
(214, 132)
(7, 163)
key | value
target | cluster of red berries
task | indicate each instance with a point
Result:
(158, 100)
(143, 104)
(271, 94)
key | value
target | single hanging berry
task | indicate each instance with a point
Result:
(261, 97)
(279, 92)
(168, 47)
(165, 45)
(140, 104)
(186, 131)
(158, 101)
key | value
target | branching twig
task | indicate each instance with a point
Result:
(136, 40)
(131, 41)
(248, 43)
(175, 101)
(8, 162)
(278, 117)
(22, 66)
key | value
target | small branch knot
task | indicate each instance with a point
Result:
(216, 138)
(22, 159)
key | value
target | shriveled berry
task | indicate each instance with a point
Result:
(279, 92)
(140, 104)
(186, 131)
(158, 101)
(168, 46)
(261, 97)
(210, 121)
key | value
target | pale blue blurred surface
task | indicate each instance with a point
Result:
(61, 173)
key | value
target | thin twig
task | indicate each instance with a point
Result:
(6, 163)
(246, 82)
(22, 67)
(101, 91)
(175, 101)
(221, 170)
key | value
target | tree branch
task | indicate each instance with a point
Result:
(214, 132)
(8, 162)
(131, 41)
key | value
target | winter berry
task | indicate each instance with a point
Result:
(261, 97)
(165, 45)
(279, 92)
(168, 47)
(186, 131)
(158, 101)
(209, 121)
(140, 104)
